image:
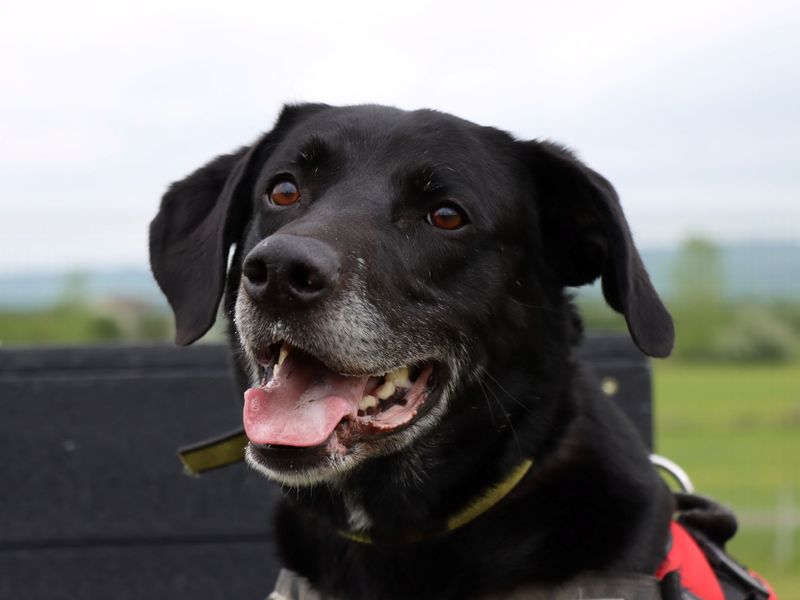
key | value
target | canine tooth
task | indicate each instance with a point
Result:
(285, 348)
(275, 370)
(368, 402)
(399, 377)
(385, 391)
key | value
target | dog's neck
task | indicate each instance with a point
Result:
(360, 523)
(590, 473)
(433, 482)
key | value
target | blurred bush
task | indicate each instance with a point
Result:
(755, 335)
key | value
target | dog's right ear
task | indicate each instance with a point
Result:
(200, 218)
(190, 238)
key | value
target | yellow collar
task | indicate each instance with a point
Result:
(228, 449)
(214, 453)
(470, 512)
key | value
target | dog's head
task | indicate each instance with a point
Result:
(384, 260)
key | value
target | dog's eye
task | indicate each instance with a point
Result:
(447, 216)
(284, 193)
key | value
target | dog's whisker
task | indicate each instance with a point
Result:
(536, 306)
(507, 418)
(522, 405)
(488, 404)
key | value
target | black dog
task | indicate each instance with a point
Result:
(397, 294)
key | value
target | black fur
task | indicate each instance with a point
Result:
(491, 294)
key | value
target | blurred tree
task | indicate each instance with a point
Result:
(697, 272)
(75, 289)
(103, 329)
(698, 307)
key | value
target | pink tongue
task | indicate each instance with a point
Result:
(302, 405)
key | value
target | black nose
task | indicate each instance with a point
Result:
(291, 270)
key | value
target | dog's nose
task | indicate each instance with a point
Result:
(290, 269)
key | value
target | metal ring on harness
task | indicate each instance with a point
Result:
(678, 474)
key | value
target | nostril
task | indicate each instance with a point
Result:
(256, 271)
(305, 280)
(290, 272)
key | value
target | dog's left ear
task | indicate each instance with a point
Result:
(585, 236)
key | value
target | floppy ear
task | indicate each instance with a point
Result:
(200, 217)
(585, 236)
(190, 237)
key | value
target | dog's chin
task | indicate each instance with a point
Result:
(308, 423)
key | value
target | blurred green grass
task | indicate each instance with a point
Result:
(81, 324)
(736, 431)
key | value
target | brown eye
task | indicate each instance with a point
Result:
(284, 193)
(447, 217)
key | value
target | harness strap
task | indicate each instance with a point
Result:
(697, 558)
(686, 557)
(735, 581)
(590, 587)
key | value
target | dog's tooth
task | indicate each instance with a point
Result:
(367, 402)
(285, 349)
(385, 391)
(275, 370)
(398, 377)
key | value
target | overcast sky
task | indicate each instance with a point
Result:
(691, 109)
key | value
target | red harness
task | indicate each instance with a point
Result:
(697, 576)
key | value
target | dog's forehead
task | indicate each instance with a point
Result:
(385, 123)
(391, 135)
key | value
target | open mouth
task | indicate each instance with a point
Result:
(302, 403)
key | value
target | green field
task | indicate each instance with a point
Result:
(736, 430)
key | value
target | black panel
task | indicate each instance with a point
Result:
(88, 444)
(239, 571)
(94, 503)
(624, 372)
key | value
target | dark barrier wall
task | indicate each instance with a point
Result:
(94, 503)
